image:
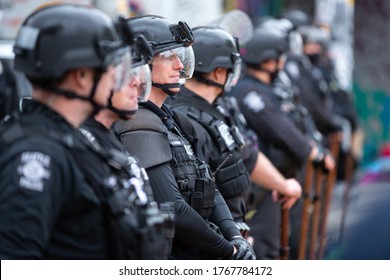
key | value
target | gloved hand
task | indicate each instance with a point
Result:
(325, 162)
(244, 249)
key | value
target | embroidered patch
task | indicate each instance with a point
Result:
(225, 134)
(189, 150)
(88, 135)
(254, 101)
(33, 171)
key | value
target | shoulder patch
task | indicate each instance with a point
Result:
(254, 101)
(33, 171)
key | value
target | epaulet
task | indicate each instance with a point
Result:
(143, 120)
(145, 137)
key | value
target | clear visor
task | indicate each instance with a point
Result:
(233, 75)
(141, 80)
(122, 67)
(183, 54)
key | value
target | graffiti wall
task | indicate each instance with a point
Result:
(372, 72)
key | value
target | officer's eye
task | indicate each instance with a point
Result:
(168, 56)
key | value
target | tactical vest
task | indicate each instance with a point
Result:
(230, 172)
(155, 223)
(135, 228)
(286, 92)
(193, 178)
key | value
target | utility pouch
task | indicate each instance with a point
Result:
(237, 136)
(202, 199)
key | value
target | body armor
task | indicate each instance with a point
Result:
(192, 175)
(229, 169)
(134, 226)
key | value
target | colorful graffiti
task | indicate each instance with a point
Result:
(372, 72)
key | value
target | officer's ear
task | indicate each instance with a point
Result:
(219, 75)
(82, 77)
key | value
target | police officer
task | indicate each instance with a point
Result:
(338, 102)
(203, 224)
(153, 230)
(217, 69)
(279, 138)
(309, 81)
(287, 93)
(58, 191)
(290, 99)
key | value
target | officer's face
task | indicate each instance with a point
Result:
(166, 69)
(105, 87)
(127, 97)
(312, 48)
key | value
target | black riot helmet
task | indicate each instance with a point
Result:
(141, 57)
(161, 33)
(58, 38)
(61, 37)
(265, 44)
(213, 48)
(167, 38)
(140, 76)
(297, 17)
(314, 34)
(287, 28)
(318, 38)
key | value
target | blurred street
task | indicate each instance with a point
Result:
(365, 195)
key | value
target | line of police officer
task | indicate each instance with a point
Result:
(80, 195)
(85, 177)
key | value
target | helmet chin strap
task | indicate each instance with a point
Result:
(72, 95)
(202, 79)
(165, 88)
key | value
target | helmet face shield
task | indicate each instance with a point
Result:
(122, 66)
(141, 79)
(185, 55)
(234, 73)
(188, 60)
(295, 43)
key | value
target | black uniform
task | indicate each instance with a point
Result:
(232, 177)
(282, 142)
(228, 106)
(313, 91)
(52, 210)
(176, 174)
(344, 107)
(279, 138)
(155, 228)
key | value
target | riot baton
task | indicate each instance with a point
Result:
(331, 179)
(306, 210)
(349, 166)
(284, 235)
(316, 201)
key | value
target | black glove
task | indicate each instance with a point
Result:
(244, 249)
